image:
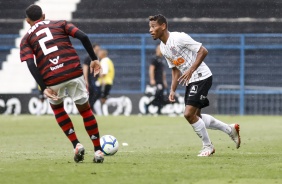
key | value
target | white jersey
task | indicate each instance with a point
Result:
(181, 51)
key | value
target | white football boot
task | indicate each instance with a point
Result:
(235, 135)
(207, 151)
(78, 153)
(98, 157)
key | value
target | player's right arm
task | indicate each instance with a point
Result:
(174, 83)
(26, 55)
(38, 78)
(184, 40)
(151, 74)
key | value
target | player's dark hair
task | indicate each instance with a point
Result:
(33, 12)
(159, 18)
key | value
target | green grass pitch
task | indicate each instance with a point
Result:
(161, 150)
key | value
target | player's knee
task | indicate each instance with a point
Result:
(83, 107)
(81, 101)
(56, 106)
(189, 116)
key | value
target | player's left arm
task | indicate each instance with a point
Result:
(95, 64)
(202, 53)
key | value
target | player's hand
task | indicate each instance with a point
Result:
(184, 79)
(152, 82)
(51, 94)
(95, 67)
(171, 96)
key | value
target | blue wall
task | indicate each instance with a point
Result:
(246, 67)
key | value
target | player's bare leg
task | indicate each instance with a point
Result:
(91, 127)
(199, 127)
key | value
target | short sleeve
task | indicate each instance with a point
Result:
(87, 60)
(25, 50)
(70, 29)
(105, 66)
(186, 41)
(154, 61)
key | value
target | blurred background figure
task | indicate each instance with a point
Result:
(104, 82)
(90, 79)
(157, 77)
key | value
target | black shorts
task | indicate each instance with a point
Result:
(105, 90)
(196, 93)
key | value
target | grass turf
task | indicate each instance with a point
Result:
(161, 150)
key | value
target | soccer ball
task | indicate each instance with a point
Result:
(109, 144)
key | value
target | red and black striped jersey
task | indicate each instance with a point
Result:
(55, 56)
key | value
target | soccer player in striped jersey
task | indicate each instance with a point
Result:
(58, 70)
(186, 57)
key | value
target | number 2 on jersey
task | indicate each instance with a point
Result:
(43, 40)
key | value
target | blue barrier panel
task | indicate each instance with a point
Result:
(242, 75)
(240, 60)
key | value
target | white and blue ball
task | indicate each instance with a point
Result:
(109, 144)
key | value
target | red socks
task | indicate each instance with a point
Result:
(65, 123)
(91, 127)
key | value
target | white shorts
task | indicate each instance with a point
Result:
(74, 88)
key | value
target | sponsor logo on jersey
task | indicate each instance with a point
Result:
(178, 61)
(57, 67)
(55, 60)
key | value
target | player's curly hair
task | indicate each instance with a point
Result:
(33, 12)
(159, 18)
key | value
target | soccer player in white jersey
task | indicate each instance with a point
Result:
(186, 57)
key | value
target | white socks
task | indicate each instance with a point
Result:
(207, 121)
(200, 128)
(215, 124)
